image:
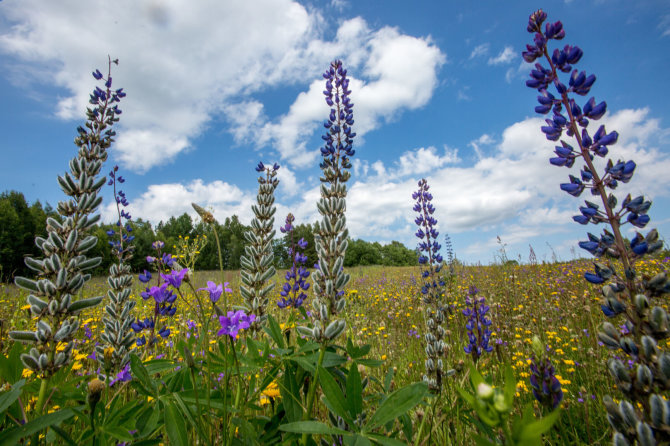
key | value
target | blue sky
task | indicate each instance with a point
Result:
(215, 86)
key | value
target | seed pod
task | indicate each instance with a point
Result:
(649, 346)
(641, 303)
(619, 440)
(657, 406)
(30, 362)
(620, 374)
(23, 336)
(305, 331)
(44, 327)
(658, 281)
(658, 319)
(644, 377)
(71, 240)
(43, 361)
(645, 436)
(628, 345)
(610, 330)
(628, 413)
(608, 341)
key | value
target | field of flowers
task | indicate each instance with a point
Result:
(561, 353)
(551, 301)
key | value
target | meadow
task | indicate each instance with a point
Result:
(548, 300)
(440, 353)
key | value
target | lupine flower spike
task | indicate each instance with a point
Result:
(118, 335)
(293, 291)
(330, 235)
(432, 286)
(257, 261)
(546, 387)
(63, 271)
(478, 325)
(642, 415)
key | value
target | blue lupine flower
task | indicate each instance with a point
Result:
(478, 325)
(293, 291)
(580, 83)
(431, 289)
(145, 277)
(546, 387)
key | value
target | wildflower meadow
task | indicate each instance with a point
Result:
(294, 346)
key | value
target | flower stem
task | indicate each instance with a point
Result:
(312, 391)
(218, 247)
(42, 395)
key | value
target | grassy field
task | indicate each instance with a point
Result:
(551, 301)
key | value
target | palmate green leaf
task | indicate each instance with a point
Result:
(334, 396)
(175, 425)
(12, 437)
(8, 398)
(312, 427)
(397, 404)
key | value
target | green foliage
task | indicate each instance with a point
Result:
(19, 224)
(494, 407)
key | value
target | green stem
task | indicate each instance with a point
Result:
(39, 405)
(218, 247)
(204, 323)
(42, 395)
(197, 399)
(238, 390)
(509, 439)
(417, 440)
(312, 391)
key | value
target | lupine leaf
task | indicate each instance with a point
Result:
(534, 430)
(397, 404)
(354, 391)
(10, 367)
(12, 437)
(290, 394)
(8, 398)
(312, 427)
(385, 441)
(140, 372)
(334, 396)
(175, 425)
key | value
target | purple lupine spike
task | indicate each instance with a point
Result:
(292, 294)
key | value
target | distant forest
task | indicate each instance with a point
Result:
(20, 222)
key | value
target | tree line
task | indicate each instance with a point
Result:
(21, 222)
